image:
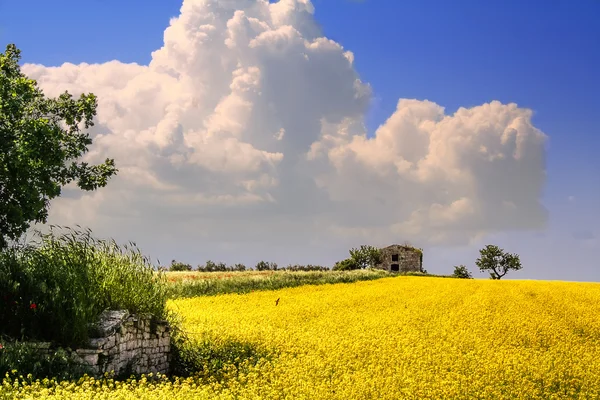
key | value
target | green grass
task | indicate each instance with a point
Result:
(192, 284)
(53, 289)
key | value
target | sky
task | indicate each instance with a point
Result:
(291, 131)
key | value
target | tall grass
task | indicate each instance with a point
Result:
(53, 289)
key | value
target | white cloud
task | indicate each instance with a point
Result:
(247, 125)
(440, 178)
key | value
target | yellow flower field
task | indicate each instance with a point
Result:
(394, 338)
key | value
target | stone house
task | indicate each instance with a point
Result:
(401, 258)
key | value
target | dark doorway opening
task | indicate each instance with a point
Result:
(395, 267)
(395, 257)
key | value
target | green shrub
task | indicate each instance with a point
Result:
(266, 266)
(52, 290)
(461, 271)
(25, 358)
(179, 266)
(366, 256)
(346, 265)
(239, 267)
(212, 266)
(309, 267)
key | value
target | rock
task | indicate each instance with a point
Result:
(109, 322)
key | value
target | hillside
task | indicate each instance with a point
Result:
(391, 338)
(411, 337)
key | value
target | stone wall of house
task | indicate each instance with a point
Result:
(399, 258)
(126, 344)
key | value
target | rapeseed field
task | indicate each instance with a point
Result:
(393, 338)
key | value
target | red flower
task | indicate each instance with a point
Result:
(33, 306)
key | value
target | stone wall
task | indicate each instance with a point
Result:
(398, 258)
(126, 344)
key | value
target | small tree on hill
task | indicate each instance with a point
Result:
(346, 265)
(366, 256)
(494, 259)
(210, 266)
(179, 266)
(239, 267)
(40, 142)
(461, 271)
(266, 266)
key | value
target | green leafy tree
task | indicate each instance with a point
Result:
(239, 267)
(220, 267)
(210, 266)
(497, 261)
(266, 266)
(461, 271)
(366, 256)
(40, 140)
(179, 266)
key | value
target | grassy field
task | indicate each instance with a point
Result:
(193, 283)
(179, 276)
(392, 338)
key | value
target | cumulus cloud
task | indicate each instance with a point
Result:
(440, 178)
(248, 125)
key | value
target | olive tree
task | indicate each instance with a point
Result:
(461, 271)
(493, 258)
(366, 256)
(41, 140)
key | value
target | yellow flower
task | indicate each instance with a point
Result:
(394, 338)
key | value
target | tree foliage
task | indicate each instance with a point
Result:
(41, 139)
(179, 266)
(266, 266)
(361, 258)
(461, 271)
(366, 256)
(497, 261)
(346, 265)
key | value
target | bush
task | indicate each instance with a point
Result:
(239, 267)
(211, 266)
(266, 266)
(179, 266)
(221, 267)
(462, 272)
(52, 290)
(27, 358)
(346, 265)
(366, 256)
(308, 267)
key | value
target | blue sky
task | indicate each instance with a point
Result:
(542, 55)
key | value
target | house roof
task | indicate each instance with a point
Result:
(401, 246)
